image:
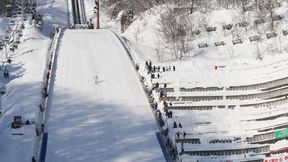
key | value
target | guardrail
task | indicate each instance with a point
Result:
(163, 146)
(41, 137)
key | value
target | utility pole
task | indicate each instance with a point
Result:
(97, 11)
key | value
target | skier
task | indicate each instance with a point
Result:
(96, 79)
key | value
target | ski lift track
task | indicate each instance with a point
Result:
(78, 12)
(75, 11)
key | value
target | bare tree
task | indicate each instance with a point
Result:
(173, 30)
(158, 47)
(271, 13)
(136, 33)
(192, 6)
(259, 54)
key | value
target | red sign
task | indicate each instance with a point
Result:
(277, 159)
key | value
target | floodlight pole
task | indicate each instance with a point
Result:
(97, 7)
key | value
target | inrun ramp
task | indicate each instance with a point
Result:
(99, 111)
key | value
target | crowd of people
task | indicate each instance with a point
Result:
(155, 72)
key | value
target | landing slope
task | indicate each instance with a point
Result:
(99, 111)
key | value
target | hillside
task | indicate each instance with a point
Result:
(185, 80)
(217, 92)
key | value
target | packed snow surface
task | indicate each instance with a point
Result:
(22, 96)
(99, 110)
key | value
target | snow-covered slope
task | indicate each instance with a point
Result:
(99, 110)
(143, 33)
(23, 95)
(220, 67)
(24, 85)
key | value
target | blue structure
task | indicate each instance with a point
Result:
(163, 147)
(43, 147)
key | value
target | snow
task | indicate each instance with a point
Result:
(24, 86)
(108, 119)
(54, 12)
(101, 114)
(238, 65)
(23, 95)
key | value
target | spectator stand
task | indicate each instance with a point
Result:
(254, 38)
(237, 41)
(227, 26)
(210, 29)
(259, 21)
(243, 24)
(271, 35)
(277, 18)
(196, 32)
(221, 43)
(285, 32)
(202, 45)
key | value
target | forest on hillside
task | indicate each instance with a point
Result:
(177, 26)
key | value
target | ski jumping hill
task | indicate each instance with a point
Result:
(99, 111)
